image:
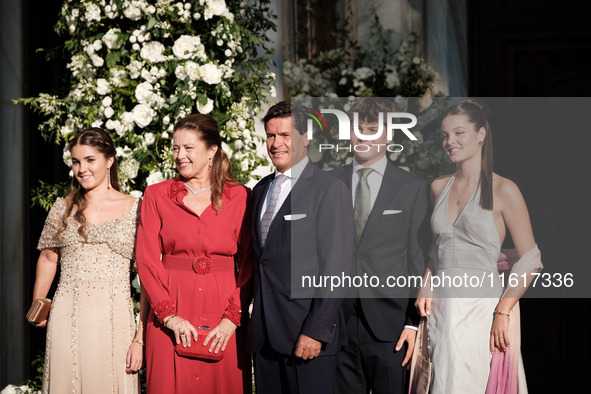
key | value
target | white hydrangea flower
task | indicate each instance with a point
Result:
(110, 38)
(210, 74)
(102, 86)
(129, 168)
(143, 115)
(205, 109)
(153, 51)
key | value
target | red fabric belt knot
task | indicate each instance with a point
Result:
(202, 265)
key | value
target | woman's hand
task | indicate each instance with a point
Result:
(221, 335)
(182, 330)
(135, 355)
(499, 333)
(41, 324)
(423, 306)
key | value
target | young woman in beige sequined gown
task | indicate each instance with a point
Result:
(91, 346)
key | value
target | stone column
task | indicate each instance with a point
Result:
(12, 199)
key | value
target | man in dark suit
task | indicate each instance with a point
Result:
(392, 235)
(303, 224)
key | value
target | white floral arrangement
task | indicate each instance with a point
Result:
(136, 66)
(378, 69)
(22, 389)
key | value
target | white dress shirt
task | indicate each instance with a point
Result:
(293, 174)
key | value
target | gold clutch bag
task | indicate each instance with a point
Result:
(421, 369)
(39, 311)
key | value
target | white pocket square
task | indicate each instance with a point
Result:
(295, 216)
(391, 211)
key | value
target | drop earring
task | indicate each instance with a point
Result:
(109, 185)
(480, 142)
(210, 162)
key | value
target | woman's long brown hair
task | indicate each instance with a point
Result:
(478, 114)
(102, 142)
(208, 131)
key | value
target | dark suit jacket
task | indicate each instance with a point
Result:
(324, 245)
(391, 244)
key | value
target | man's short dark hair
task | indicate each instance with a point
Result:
(286, 109)
(369, 108)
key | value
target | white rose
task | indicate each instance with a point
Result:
(97, 45)
(143, 92)
(110, 39)
(93, 13)
(97, 123)
(67, 157)
(97, 61)
(150, 138)
(132, 12)
(215, 7)
(164, 135)
(102, 86)
(107, 101)
(186, 46)
(205, 109)
(153, 51)
(109, 112)
(192, 70)
(118, 149)
(210, 74)
(142, 115)
(166, 120)
(154, 177)
(227, 150)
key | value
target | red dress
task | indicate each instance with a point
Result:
(186, 266)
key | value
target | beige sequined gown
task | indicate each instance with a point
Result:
(91, 322)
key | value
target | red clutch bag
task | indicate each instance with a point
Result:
(197, 350)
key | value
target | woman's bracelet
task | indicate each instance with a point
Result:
(502, 314)
(138, 341)
(167, 319)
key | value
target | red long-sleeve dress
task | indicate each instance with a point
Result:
(194, 266)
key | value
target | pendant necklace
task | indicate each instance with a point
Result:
(97, 207)
(198, 191)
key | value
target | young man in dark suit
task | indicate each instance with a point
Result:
(303, 224)
(392, 235)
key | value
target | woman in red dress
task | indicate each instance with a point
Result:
(194, 260)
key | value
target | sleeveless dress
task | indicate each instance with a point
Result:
(91, 322)
(461, 317)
